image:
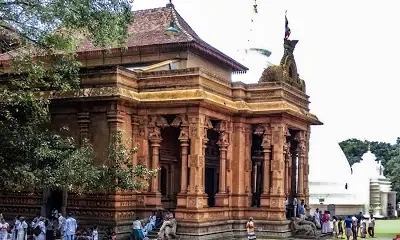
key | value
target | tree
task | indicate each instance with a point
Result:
(393, 169)
(355, 148)
(42, 38)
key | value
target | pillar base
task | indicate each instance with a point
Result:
(222, 199)
(191, 201)
(153, 199)
(265, 201)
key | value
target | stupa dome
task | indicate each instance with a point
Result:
(327, 161)
(330, 172)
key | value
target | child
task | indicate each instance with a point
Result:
(114, 236)
(95, 233)
(340, 227)
(335, 229)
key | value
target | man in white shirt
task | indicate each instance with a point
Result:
(371, 226)
(70, 227)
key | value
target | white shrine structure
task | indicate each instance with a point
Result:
(373, 190)
(330, 179)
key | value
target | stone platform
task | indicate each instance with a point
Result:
(233, 229)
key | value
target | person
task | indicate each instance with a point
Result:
(354, 227)
(61, 223)
(325, 222)
(14, 230)
(70, 227)
(22, 229)
(363, 228)
(40, 229)
(335, 229)
(302, 210)
(3, 229)
(317, 220)
(371, 226)
(250, 229)
(359, 218)
(340, 227)
(168, 228)
(137, 230)
(294, 207)
(114, 236)
(348, 222)
(95, 233)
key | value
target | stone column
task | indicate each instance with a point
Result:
(301, 149)
(155, 126)
(115, 120)
(83, 121)
(182, 122)
(223, 143)
(196, 161)
(265, 132)
(307, 168)
(277, 200)
(287, 164)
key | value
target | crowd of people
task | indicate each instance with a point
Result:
(351, 226)
(40, 228)
(161, 219)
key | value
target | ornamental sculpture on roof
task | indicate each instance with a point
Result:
(287, 70)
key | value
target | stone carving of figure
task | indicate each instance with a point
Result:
(303, 227)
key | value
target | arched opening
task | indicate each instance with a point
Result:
(212, 166)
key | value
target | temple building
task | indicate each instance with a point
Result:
(226, 150)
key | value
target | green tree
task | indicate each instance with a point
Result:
(355, 148)
(42, 38)
(393, 172)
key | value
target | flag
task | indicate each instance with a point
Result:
(287, 28)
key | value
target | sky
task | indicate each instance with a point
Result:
(347, 54)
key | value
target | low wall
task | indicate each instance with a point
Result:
(340, 210)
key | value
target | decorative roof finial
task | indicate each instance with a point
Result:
(170, 4)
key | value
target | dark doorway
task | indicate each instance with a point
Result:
(211, 189)
(54, 201)
(211, 178)
(257, 157)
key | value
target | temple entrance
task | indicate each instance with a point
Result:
(53, 199)
(293, 174)
(170, 166)
(257, 157)
(211, 179)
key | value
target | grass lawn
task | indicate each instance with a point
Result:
(387, 228)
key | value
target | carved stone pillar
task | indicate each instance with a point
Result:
(83, 121)
(301, 149)
(198, 125)
(277, 199)
(288, 158)
(307, 168)
(155, 126)
(115, 120)
(182, 122)
(223, 143)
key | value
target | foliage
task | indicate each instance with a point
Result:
(355, 148)
(388, 154)
(59, 164)
(42, 37)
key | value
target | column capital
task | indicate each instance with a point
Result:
(115, 116)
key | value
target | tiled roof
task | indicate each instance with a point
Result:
(148, 29)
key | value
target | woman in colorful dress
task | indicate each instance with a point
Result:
(3, 230)
(363, 228)
(250, 229)
(325, 222)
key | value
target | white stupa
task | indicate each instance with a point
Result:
(330, 172)
(373, 190)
